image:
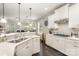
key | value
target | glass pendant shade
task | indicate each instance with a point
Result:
(3, 20)
(19, 23)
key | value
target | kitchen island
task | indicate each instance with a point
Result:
(21, 46)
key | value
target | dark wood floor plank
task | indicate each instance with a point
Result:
(48, 51)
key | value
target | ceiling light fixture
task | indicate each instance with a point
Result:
(45, 8)
(30, 13)
(19, 23)
(3, 20)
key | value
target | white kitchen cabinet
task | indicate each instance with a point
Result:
(24, 49)
(74, 16)
(36, 45)
(62, 12)
(76, 45)
(69, 47)
(61, 42)
(56, 42)
(49, 39)
(72, 47)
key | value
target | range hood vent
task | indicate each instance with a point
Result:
(62, 21)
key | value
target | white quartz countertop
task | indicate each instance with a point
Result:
(2, 35)
(73, 38)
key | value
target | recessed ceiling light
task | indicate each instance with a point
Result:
(46, 8)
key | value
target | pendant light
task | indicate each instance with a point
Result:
(30, 16)
(19, 23)
(3, 20)
(30, 13)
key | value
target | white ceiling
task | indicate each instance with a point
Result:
(38, 9)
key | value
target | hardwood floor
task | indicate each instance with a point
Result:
(48, 51)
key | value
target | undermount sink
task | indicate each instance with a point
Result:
(17, 41)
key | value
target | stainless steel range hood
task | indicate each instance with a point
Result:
(62, 21)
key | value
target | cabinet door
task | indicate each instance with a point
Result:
(49, 40)
(28, 49)
(20, 49)
(69, 47)
(24, 49)
(61, 44)
(55, 43)
(76, 45)
(36, 45)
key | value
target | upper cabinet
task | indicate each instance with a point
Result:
(74, 16)
(60, 14)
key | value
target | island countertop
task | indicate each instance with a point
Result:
(8, 48)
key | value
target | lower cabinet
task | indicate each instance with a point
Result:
(29, 47)
(69, 47)
(49, 41)
(76, 45)
(24, 49)
(72, 47)
(63, 44)
(36, 45)
(55, 42)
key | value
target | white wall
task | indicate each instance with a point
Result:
(43, 28)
